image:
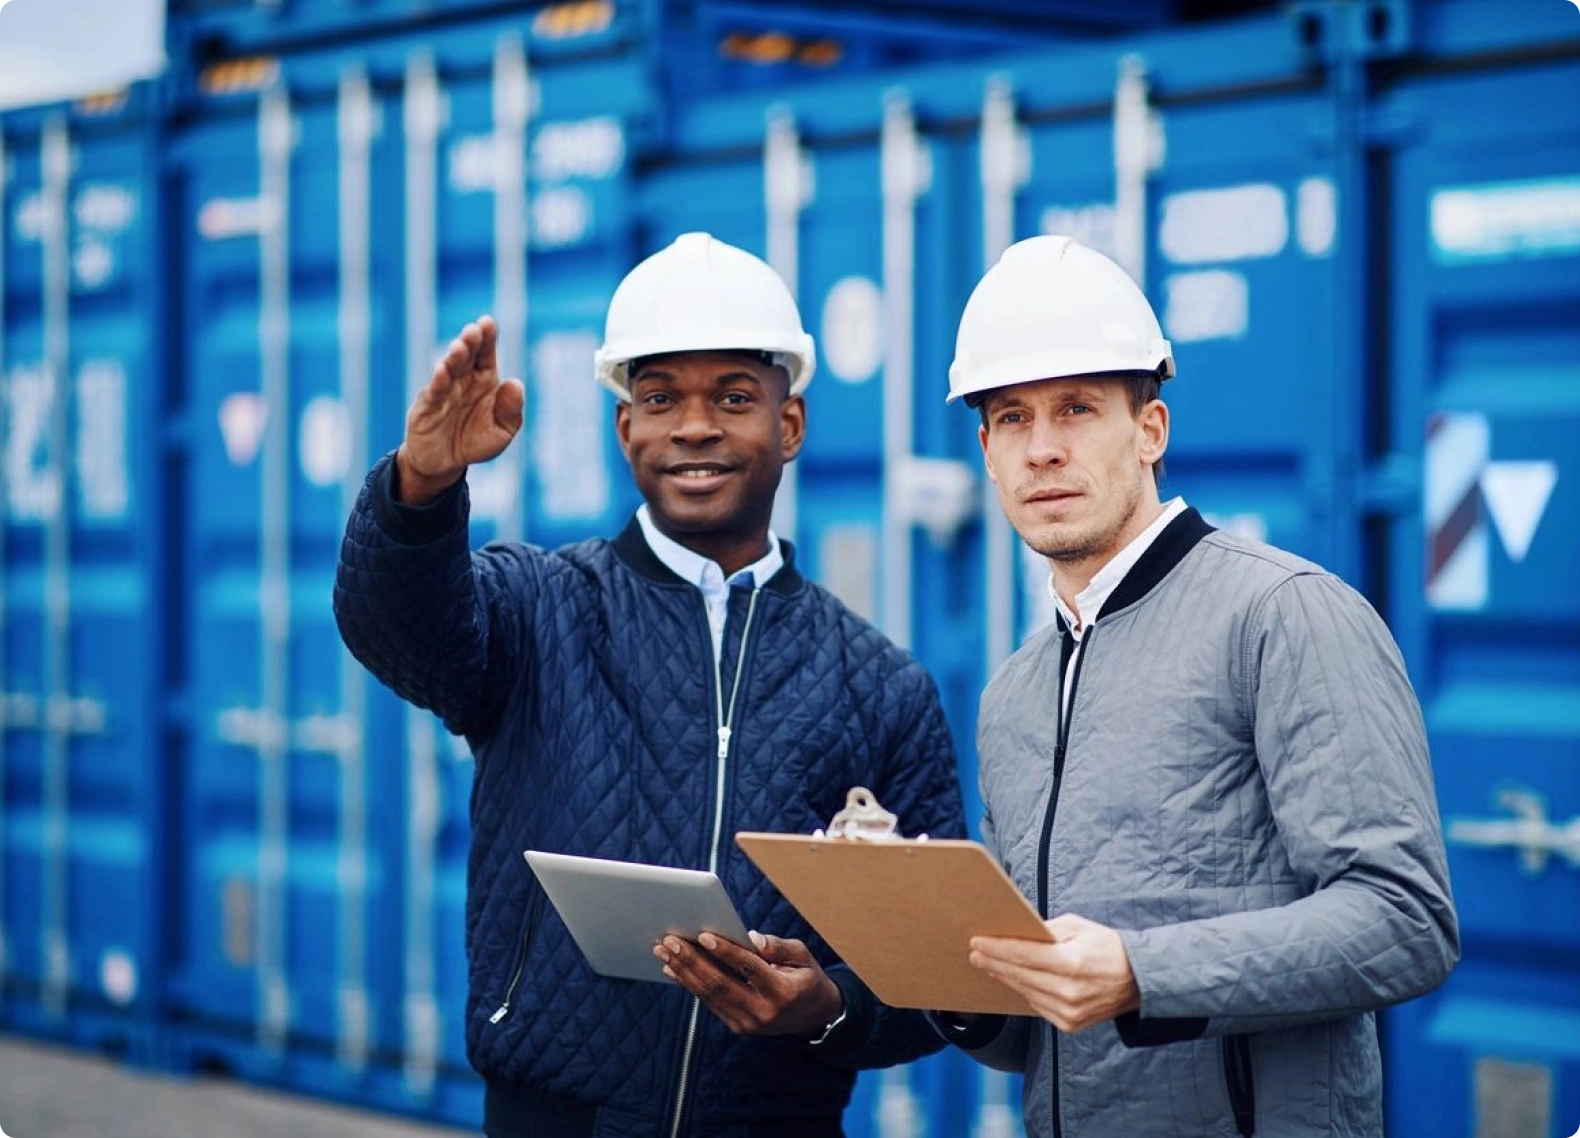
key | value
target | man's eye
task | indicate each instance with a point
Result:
(735, 398)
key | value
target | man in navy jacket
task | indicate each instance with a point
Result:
(643, 699)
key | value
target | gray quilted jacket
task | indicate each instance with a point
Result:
(1243, 791)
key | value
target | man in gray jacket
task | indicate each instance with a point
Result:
(1210, 774)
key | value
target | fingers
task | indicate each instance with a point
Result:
(783, 991)
(714, 977)
(473, 351)
(1081, 979)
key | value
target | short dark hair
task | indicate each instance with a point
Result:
(1141, 388)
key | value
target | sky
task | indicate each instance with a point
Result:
(52, 50)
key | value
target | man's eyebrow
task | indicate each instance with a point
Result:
(659, 373)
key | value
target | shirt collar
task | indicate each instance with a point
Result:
(691, 566)
(1092, 598)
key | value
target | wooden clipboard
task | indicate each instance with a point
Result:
(901, 912)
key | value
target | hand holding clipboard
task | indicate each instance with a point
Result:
(901, 912)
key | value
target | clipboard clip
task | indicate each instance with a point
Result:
(862, 819)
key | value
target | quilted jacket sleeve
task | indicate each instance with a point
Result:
(1343, 754)
(920, 785)
(430, 619)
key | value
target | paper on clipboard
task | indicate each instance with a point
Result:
(901, 912)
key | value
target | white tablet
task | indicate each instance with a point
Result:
(618, 910)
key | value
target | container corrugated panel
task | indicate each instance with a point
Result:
(341, 223)
(1484, 208)
(82, 787)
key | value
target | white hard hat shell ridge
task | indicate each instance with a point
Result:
(699, 294)
(1052, 308)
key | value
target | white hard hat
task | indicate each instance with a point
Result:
(700, 295)
(1049, 309)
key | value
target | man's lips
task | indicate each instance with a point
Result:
(698, 475)
(1048, 495)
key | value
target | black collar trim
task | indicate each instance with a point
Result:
(632, 548)
(1178, 538)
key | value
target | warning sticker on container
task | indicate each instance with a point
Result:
(1502, 221)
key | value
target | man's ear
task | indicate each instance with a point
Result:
(622, 427)
(792, 426)
(1154, 426)
(987, 458)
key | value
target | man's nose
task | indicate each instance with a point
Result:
(1046, 445)
(696, 423)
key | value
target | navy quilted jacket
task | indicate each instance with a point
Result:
(584, 680)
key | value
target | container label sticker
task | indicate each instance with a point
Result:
(561, 216)
(587, 148)
(104, 489)
(324, 441)
(472, 163)
(1464, 487)
(1092, 225)
(1458, 447)
(220, 218)
(105, 206)
(32, 487)
(243, 416)
(1214, 304)
(28, 220)
(1517, 494)
(1236, 223)
(1503, 221)
(851, 335)
(1316, 216)
(570, 428)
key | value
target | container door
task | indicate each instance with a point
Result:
(1486, 223)
(81, 779)
(285, 951)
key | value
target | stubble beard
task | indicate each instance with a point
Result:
(1087, 541)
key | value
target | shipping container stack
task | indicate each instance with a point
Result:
(223, 846)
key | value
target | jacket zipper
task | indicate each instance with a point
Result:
(725, 718)
(1043, 849)
(1238, 1077)
(525, 942)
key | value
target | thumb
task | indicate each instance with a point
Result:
(509, 404)
(787, 953)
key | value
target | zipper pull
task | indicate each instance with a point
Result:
(724, 742)
(504, 1010)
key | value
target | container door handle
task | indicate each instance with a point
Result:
(1528, 831)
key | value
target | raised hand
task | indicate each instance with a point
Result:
(466, 414)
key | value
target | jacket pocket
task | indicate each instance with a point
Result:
(1238, 1078)
(523, 946)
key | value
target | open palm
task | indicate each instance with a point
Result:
(466, 414)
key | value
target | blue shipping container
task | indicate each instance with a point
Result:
(83, 825)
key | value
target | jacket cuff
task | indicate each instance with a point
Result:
(414, 525)
(967, 1031)
(860, 1009)
(1137, 1032)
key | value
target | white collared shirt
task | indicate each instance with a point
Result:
(1091, 599)
(707, 575)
